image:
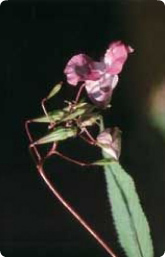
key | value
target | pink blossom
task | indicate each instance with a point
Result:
(110, 141)
(100, 78)
(81, 68)
(100, 91)
(115, 57)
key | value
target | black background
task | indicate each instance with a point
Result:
(37, 39)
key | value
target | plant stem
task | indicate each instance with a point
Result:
(79, 93)
(86, 140)
(70, 159)
(55, 192)
(73, 212)
(89, 135)
(43, 107)
(31, 139)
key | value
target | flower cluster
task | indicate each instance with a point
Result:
(99, 80)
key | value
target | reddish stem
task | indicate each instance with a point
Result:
(43, 107)
(73, 212)
(89, 135)
(54, 190)
(86, 140)
(52, 123)
(31, 139)
(70, 159)
(79, 93)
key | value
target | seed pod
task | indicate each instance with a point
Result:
(89, 120)
(54, 91)
(53, 116)
(58, 134)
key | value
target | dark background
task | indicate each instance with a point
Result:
(37, 39)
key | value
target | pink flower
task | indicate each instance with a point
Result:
(81, 68)
(110, 141)
(100, 91)
(115, 57)
(100, 78)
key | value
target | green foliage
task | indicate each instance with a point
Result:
(129, 219)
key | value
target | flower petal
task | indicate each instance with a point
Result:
(100, 91)
(115, 56)
(81, 67)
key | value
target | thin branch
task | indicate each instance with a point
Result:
(73, 212)
(86, 140)
(70, 159)
(79, 93)
(53, 189)
(89, 135)
(31, 139)
(43, 107)
(52, 123)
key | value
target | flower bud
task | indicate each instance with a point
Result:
(110, 141)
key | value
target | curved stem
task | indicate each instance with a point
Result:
(43, 107)
(31, 139)
(79, 93)
(89, 135)
(86, 140)
(70, 159)
(73, 212)
(52, 123)
(55, 191)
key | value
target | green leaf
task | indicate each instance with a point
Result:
(129, 219)
(55, 90)
(58, 134)
(103, 162)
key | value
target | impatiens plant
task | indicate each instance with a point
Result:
(99, 80)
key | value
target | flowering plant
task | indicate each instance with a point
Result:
(99, 80)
